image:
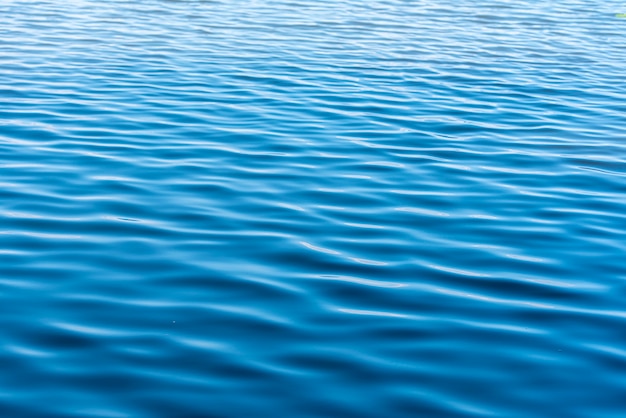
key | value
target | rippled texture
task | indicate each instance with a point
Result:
(312, 208)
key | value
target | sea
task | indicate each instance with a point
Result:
(312, 209)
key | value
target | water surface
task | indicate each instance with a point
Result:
(312, 208)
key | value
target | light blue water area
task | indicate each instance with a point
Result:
(298, 208)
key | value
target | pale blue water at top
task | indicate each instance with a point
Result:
(274, 208)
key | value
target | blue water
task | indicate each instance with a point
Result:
(278, 208)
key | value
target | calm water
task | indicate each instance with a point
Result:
(312, 208)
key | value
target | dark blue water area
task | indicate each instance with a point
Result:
(297, 208)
